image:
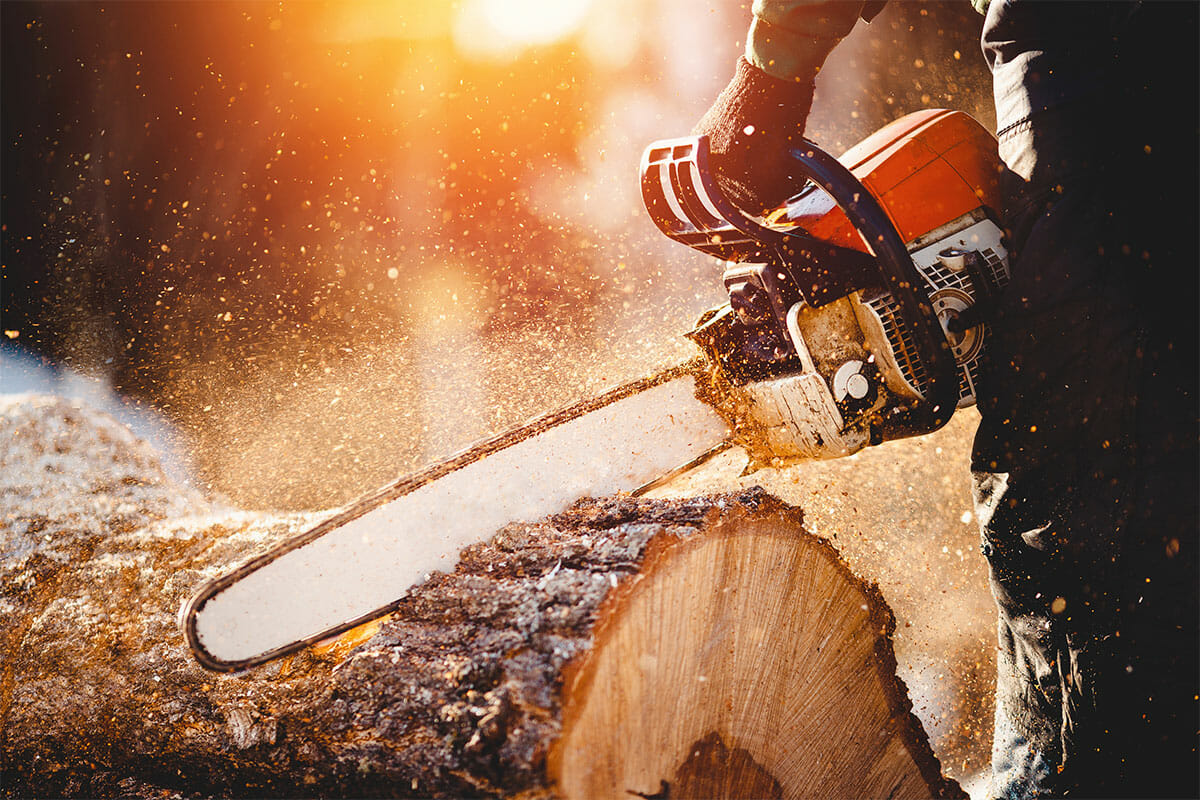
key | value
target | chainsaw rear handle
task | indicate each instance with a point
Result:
(685, 203)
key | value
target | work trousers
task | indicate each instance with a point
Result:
(1085, 467)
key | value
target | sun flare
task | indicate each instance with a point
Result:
(496, 28)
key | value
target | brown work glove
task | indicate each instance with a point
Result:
(750, 128)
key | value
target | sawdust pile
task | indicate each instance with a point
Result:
(98, 547)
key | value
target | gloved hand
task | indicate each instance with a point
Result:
(750, 128)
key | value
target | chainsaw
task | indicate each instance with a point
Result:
(856, 315)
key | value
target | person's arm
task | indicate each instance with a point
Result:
(765, 105)
(790, 39)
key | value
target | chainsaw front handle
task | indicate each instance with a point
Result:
(899, 274)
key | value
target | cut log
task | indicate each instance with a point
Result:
(744, 661)
(705, 647)
(900, 515)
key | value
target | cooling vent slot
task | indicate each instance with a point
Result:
(887, 309)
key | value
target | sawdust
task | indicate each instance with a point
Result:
(331, 427)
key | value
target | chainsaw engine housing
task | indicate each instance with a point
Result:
(821, 350)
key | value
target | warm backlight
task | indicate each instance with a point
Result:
(500, 27)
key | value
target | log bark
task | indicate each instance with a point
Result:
(706, 647)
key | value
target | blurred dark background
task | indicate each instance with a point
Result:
(333, 240)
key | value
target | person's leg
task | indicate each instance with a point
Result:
(1026, 747)
(1082, 468)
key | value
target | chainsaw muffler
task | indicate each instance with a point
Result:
(857, 310)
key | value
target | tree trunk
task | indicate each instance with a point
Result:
(698, 648)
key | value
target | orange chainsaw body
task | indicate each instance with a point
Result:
(854, 306)
(926, 169)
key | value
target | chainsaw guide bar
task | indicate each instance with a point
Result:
(359, 564)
